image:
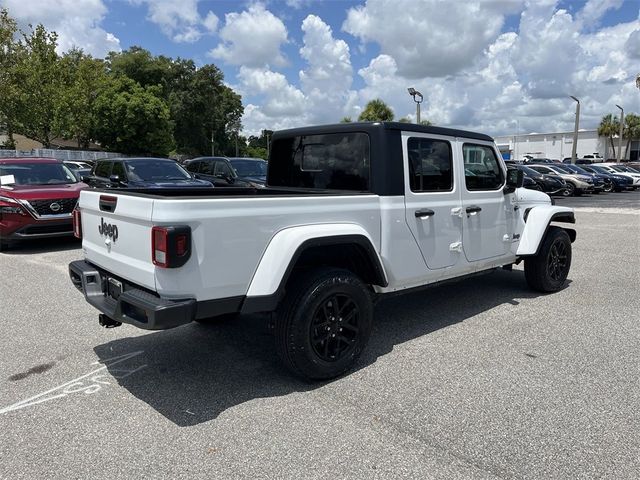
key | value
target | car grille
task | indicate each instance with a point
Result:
(43, 207)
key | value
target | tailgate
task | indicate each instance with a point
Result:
(116, 234)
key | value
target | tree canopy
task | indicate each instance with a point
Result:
(131, 101)
(376, 111)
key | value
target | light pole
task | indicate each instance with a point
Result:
(621, 128)
(515, 140)
(574, 149)
(414, 93)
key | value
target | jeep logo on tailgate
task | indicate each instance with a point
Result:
(111, 231)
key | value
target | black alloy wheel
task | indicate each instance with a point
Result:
(557, 260)
(334, 327)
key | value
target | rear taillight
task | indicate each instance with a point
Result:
(77, 223)
(170, 246)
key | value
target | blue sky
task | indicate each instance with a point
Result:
(480, 64)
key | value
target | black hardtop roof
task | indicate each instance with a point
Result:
(372, 127)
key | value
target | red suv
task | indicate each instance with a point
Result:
(37, 198)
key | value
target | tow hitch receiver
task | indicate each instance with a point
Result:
(107, 322)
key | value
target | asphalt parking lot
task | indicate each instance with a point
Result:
(479, 379)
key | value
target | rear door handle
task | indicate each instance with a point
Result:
(425, 213)
(473, 209)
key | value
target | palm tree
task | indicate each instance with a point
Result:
(376, 111)
(609, 127)
(631, 130)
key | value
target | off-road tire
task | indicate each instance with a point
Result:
(547, 271)
(328, 303)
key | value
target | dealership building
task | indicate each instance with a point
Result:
(560, 144)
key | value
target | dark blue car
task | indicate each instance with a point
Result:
(142, 173)
(620, 182)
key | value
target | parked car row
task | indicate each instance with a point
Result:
(570, 179)
(38, 195)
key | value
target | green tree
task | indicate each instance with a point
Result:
(631, 130)
(41, 87)
(609, 127)
(425, 123)
(133, 119)
(345, 120)
(202, 107)
(140, 65)
(85, 78)
(9, 57)
(376, 111)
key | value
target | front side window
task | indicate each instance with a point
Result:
(193, 166)
(103, 169)
(207, 167)
(430, 165)
(481, 168)
(335, 161)
(223, 169)
(118, 170)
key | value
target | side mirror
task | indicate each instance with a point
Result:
(114, 178)
(515, 179)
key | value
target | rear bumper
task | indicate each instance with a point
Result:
(133, 305)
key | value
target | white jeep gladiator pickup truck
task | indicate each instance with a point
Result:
(351, 212)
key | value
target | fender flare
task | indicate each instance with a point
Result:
(538, 220)
(278, 260)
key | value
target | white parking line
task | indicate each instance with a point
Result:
(77, 385)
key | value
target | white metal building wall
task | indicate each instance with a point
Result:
(555, 145)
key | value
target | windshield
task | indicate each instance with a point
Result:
(528, 171)
(36, 174)
(250, 168)
(576, 169)
(155, 170)
(559, 169)
(598, 169)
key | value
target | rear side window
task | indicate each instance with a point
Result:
(481, 168)
(430, 165)
(336, 161)
(103, 169)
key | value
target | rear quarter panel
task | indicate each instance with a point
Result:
(230, 236)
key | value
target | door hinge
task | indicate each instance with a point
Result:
(456, 247)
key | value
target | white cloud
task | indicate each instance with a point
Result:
(252, 38)
(281, 98)
(593, 11)
(324, 95)
(179, 21)
(77, 22)
(427, 38)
